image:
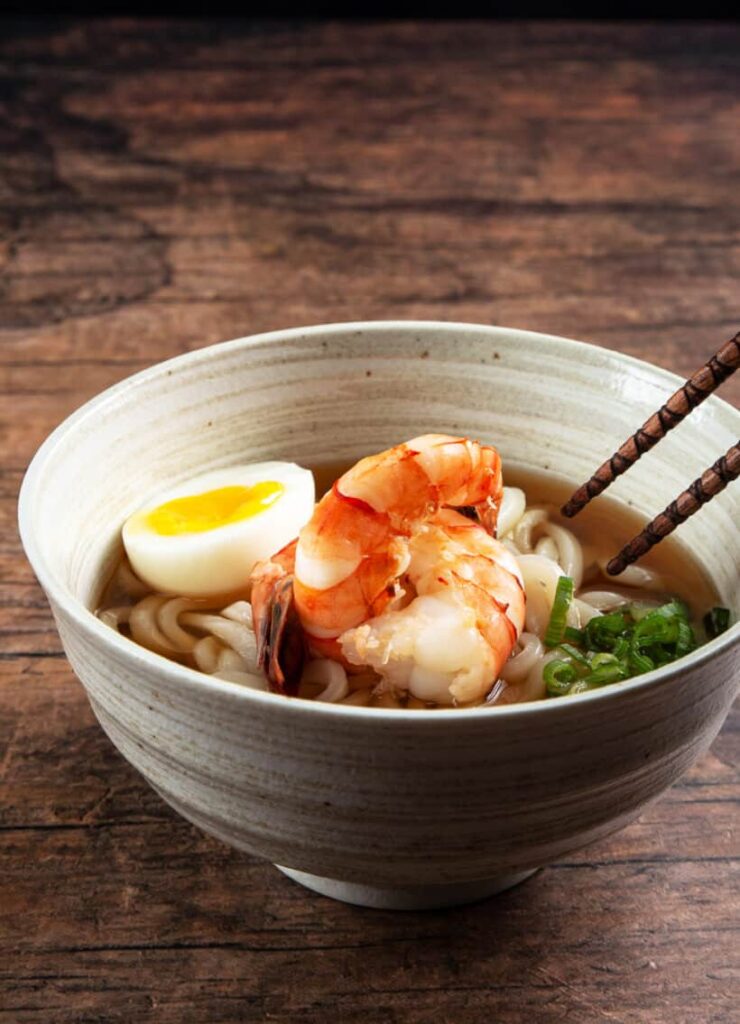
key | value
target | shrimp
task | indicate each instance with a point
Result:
(386, 574)
(280, 646)
(450, 641)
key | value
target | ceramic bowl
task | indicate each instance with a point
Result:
(381, 807)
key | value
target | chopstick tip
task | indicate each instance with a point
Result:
(616, 565)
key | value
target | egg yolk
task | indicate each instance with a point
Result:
(197, 513)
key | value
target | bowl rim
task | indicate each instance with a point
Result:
(158, 665)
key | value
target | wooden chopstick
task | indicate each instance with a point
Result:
(692, 393)
(711, 482)
(722, 365)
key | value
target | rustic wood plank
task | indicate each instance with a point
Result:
(164, 185)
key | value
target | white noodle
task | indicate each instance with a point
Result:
(239, 611)
(530, 687)
(229, 660)
(547, 547)
(636, 576)
(252, 682)
(143, 624)
(523, 532)
(169, 626)
(115, 617)
(511, 510)
(497, 694)
(569, 554)
(580, 613)
(329, 674)
(534, 686)
(608, 598)
(206, 653)
(540, 577)
(234, 634)
(523, 660)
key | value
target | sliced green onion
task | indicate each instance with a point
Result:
(601, 659)
(621, 648)
(575, 654)
(686, 640)
(606, 668)
(640, 662)
(558, 676)
(662, 654)
(716, 621)
(628, 641)
(556, 625)
(574, 636)
(656, 628)
(603, 630)
(604, 676)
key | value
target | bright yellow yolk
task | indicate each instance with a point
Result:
(197, 513)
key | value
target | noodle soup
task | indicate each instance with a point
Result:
(610, 630)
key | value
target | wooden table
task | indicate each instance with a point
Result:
(167, 185)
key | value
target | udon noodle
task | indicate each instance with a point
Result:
(216, 636)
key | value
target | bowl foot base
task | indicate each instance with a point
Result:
(407, 897)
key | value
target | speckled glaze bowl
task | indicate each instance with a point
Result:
(385, 808)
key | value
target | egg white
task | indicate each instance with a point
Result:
(219, 560)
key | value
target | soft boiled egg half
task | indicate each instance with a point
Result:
(203, 537)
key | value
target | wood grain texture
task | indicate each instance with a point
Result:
(167, 185)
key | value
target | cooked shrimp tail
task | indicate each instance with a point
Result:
(280, 644)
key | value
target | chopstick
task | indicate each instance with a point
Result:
(711, 482)
(691, 394)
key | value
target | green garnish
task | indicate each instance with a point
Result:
(686, 640)
(605, 668)
(558, 677)
(639, 662)
(630, 641)
(556, 625)
(581, 686)
(574, 653)
(603, 630)
(574, 636)
(716, 621)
